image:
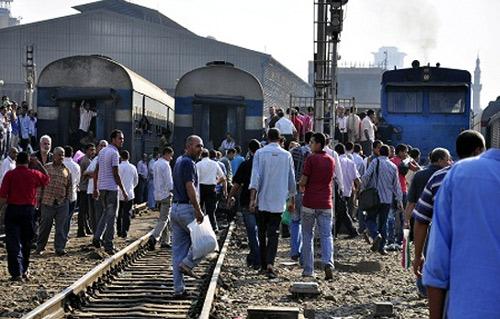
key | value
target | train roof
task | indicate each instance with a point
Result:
(426, 74)
(95, 71)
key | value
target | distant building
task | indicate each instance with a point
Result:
(389, 57)
(6, 19)
(361, 83)
(153, 45)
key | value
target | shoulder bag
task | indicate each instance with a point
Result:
(368, 198)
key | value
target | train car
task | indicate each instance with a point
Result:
(426, 107)
(490, 124)
(117, 97)
(217, 99)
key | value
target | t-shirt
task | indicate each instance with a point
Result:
(108, 159)
(184, 171)
(419, 181)
(318, 168)
(23, 193)
(402, 177)
(242, 178)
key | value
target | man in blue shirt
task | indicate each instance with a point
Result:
(185, 208)
(271, 184)
(469, 143)
(463, 255)
(237, 160)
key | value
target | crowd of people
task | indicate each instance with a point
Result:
(296, 180)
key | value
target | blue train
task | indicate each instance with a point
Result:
(216, 99)
(115, 95)
(425, 107)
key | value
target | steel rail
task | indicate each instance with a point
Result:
(55, 306)
(210, 295)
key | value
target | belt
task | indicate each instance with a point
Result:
(180, 202)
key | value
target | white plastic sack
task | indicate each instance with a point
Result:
(203, 240)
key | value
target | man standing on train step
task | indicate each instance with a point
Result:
(185, 208)
(20, 212)
(271, 185)
(106, 183)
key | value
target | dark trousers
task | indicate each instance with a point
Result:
(141, 193)
(124, 215)
(268, 225)
(208, 201)
(19, 230)
(71, 211)
(91, 213)
(376, 223)
(342, 217)
(83, 214)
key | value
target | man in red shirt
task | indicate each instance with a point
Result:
(317, 206)
(20, 212)
(297, 122)
(395, 220)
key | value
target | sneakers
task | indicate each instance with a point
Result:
(376, 243)
(328, 272)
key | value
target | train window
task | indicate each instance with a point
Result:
(404, 100)
(447, 100)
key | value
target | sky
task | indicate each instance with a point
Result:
(452, 32)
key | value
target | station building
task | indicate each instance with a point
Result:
(144, 40)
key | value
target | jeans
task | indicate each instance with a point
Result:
(163, 226)
(59, 213)
(141, 190)
(124, 215)
(268, 229)
(151, 194)
(19, 230)
(295, 227)
(181, 216)
(367, 147)
(107, 210)
(250, 220)
(71, 211)
(395, 225)
(324, 220)
(376, 222)
(361, 220)
(83, 214)
(208, 201)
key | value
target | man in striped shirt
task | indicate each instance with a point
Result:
(469, 143)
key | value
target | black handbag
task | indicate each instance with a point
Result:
(368, 198)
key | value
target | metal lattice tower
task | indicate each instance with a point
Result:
(328, 23)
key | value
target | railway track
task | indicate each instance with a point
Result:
(137, 283)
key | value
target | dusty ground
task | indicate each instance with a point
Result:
(360, 279)
(51, 273)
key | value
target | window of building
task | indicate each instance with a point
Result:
(404, 100)
(447, 100)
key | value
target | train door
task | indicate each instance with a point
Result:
(211, 121)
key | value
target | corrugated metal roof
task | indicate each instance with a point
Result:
(131, 9)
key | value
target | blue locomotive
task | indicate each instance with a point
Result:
(425, 107)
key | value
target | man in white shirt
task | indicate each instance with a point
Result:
(142, 188)
(9, 163)
(353, 123)
(151, 184)
(93, 218)
(209, 175)
(24, 127)
(86, 115)
(162, 172)
(339, 178)
(351, 178)
(130, 179)
(74, 169)
(285, 126)
(368, 132)
(342, 124)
